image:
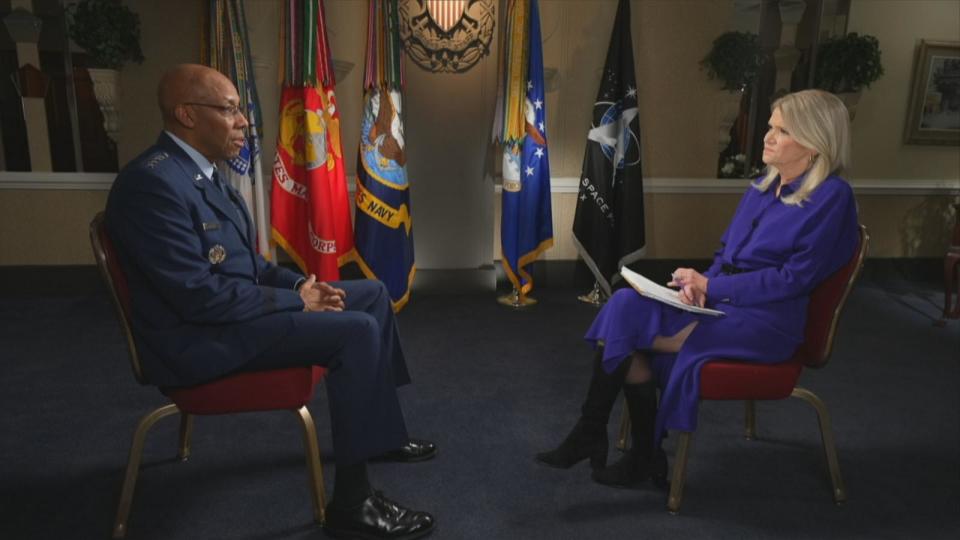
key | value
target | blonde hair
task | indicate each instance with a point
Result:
(819, 121)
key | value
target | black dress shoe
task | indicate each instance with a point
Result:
(585, 441)
(377, 518)
(414, 450)
(632, 470)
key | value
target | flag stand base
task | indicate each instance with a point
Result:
(595, 297)
(514, 300)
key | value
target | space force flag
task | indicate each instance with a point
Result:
(608, 228)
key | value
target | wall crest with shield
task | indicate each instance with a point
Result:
(447, 35)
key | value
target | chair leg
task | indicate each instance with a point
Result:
(624, 428)
(679, 473)
(750, 420)
(314, 466)
(186, 429)
(133, 466)
(826, 435)
(951, 280)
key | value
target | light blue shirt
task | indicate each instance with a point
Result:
(206, 167)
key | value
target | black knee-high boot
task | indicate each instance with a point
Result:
(588, 439)
(643, 460)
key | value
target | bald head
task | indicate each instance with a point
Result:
(199, 105)
(185, 83)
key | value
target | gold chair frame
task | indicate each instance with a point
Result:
(311, 447)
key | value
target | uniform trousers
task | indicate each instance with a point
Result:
(360, 347)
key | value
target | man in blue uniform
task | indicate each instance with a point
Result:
(205, 304)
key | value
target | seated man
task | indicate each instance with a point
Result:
(205, 304)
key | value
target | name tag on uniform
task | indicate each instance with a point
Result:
(210, 226)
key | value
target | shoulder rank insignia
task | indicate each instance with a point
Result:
(156, 158)
(217, 254)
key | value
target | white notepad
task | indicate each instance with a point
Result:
(658, 292)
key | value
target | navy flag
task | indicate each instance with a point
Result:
(383, 228)
(608, 227)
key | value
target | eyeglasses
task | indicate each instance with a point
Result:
(227, 110)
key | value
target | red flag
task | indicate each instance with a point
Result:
(309, 207)
(309, 204)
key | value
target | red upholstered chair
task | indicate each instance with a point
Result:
(725, 379)
(281, 389)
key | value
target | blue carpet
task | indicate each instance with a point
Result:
(492, 387)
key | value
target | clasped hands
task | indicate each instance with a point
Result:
(321, 296)
(691, 285)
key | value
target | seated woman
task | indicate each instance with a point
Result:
(793, 228)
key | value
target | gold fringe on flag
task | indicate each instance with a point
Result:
(513, 62)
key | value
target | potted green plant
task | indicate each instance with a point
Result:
(109, 32)
(734, 61)
(846, 65)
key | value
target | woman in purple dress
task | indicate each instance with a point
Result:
(793, 228)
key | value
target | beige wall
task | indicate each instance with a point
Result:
(676, 106)
(907, 226)
(46, 226)
(899, 25)
(676, 100)
(169, 35)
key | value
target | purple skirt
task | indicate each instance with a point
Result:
(629, 322)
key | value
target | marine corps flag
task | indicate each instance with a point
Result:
(608, 226)
(310, 210)
(384, 230)
(526, 227)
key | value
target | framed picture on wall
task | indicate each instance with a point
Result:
(933, 114)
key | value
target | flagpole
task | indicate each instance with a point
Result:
(516, 300)
(594, 297)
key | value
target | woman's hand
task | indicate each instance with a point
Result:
(692, 286)
(320, 296)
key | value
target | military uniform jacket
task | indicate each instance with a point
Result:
(203, 301)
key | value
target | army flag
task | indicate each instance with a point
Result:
(227, 49)
(526, 226)
(310, 211)
(383, 229)
(608, 228)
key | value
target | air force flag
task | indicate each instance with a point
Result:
(526, 227)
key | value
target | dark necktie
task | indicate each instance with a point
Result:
(217, 181)
(222, 186)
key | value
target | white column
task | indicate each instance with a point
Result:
(34, 108)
